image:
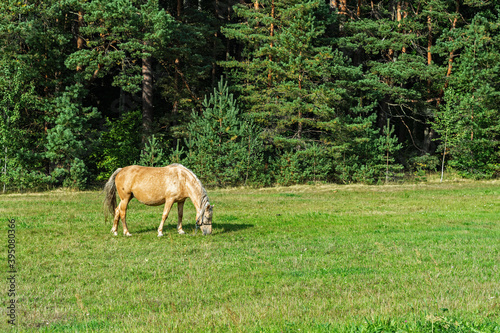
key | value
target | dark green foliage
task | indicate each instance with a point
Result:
(20, 160)
(120, 144)
(118, 34)
(152, 154)
(85, 84)
(469, 123)
(387, 146)
(223, 149)
(312, 164)
(188, 63)
(296, 86)
(33, 41)
(286, 79)
(70, 141)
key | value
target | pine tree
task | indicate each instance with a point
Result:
(223, 148)
(17, 154)
(405, 71)
(152, 155)
(295, 84)
(120, 143)
(188, 64)
(388, 146)
(34, 38)
(469, 121)
(287, 70)
(69, 141)
(121, 37)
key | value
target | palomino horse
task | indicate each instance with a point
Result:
(157, 186)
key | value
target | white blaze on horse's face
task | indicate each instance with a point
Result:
(206, 227)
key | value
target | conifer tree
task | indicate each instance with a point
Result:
(188, 65)
(321, 78)
(152, 155)
(469, 121)
(17, 154)
(285, 76)
(121, 37)
(69, 141)
(397, 41)
(34, 38)
(295, 84)
(223, 148)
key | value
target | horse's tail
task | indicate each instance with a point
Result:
(110, 196)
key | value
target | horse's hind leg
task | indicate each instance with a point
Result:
(166, 210)
(114, 230)
(121, 212)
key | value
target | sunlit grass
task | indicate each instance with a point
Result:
(315, 258)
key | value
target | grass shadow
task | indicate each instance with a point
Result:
(231, 227)
(147, 229)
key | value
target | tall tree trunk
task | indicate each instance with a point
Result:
(452, 53)
(343, 7)
(147, 97)
(342, 11)
(79, 40)
(299, 130)
(429, 40)
(405, 14)
(175, 106)
(429, 46)
(179, 8)
(270, 74)
(429, 133)
(399, 17)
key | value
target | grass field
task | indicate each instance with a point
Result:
(325, 258)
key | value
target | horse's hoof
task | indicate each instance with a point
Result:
(114, 233)
(160, 234)
(181, 232)
(128, 234)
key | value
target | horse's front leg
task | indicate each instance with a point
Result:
(166, 210)
(180, 212)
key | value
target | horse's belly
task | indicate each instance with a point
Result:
(149, 200)
(153, 203)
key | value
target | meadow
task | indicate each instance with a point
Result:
(317, 258)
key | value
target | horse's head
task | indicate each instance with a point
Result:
(205, 220)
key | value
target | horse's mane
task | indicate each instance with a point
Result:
(204, 195)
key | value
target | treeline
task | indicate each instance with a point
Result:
(248, 92)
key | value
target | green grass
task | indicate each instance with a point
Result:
(421, 258)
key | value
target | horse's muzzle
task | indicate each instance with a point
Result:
(206, 229)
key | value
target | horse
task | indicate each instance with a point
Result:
(157, 186)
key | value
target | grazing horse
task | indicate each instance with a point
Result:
(157, 186)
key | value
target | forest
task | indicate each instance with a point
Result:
(256, 93)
